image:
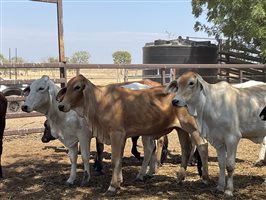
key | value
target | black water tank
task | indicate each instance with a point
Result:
(181, 51)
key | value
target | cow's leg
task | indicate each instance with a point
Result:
(202, 147)
(186, 146)
(159, 150)
(262, 154)
(152, 164)
(231, 147)
(120, 175)
(221, 156)
(199, 162)
(165, 149)
(134, 149)
(149, 148)
(73, 155)
(118, 141)
(98, 165)
(85, 154)
(191, 156)
(2, 127)
(1, 150)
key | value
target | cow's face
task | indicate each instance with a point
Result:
(37, 95)
(185, 87)
(71, 97)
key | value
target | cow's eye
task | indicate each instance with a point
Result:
(77, 87)
(191, 83)
(41, 88)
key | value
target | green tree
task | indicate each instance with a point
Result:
(242, 22)
(52, 59)
(80, 57)
(121, 57)
(17, 60)
(13, 59)
(3, 59)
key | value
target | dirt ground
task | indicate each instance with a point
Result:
(34, 170)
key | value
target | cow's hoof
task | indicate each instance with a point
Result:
(148, 176)
(99, 173)
(179, 182)
(85, 183)
(206, 181)
(109, 193)
(218, 190)
(259, 163)
(139, 179)
(228, 194)
(180, 179)
(203, 184)
(69, 184)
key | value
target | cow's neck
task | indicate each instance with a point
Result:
(52, 111)
(92, 104)
(196, 108)
(92, 101)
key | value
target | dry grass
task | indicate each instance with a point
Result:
(97, 76)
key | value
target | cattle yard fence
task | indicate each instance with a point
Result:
(228, 72)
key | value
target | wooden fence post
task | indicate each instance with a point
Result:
(162, 72)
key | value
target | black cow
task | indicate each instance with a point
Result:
(3, 107)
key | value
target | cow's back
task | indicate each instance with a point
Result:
(249, 103)
(145, 112)
(227, 107)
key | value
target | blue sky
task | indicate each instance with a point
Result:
(99, 27)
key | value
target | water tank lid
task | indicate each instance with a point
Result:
(179, 42)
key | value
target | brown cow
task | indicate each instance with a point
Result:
(3, 107)
(114, 114)
(162, 142)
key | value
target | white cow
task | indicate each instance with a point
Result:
(262, 152)
(224, 114)
(69, 128)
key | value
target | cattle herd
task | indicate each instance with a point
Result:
(201, 113)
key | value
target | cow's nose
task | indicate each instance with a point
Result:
(263, 117)
(61, 107)
(175, 102)
(24, 108)
(45, 140)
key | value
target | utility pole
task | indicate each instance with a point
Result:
(60, 35)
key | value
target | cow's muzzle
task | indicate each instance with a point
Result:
(175, 102)
(263, 117)
(61, 108)
(46, 139)
(25, 108)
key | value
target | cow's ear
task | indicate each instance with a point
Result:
(26, 91)
(171, 87)
(45, 77)
(202, 83)
(83, 81)
(61, 94)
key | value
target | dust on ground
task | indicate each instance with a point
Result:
(34, 170)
